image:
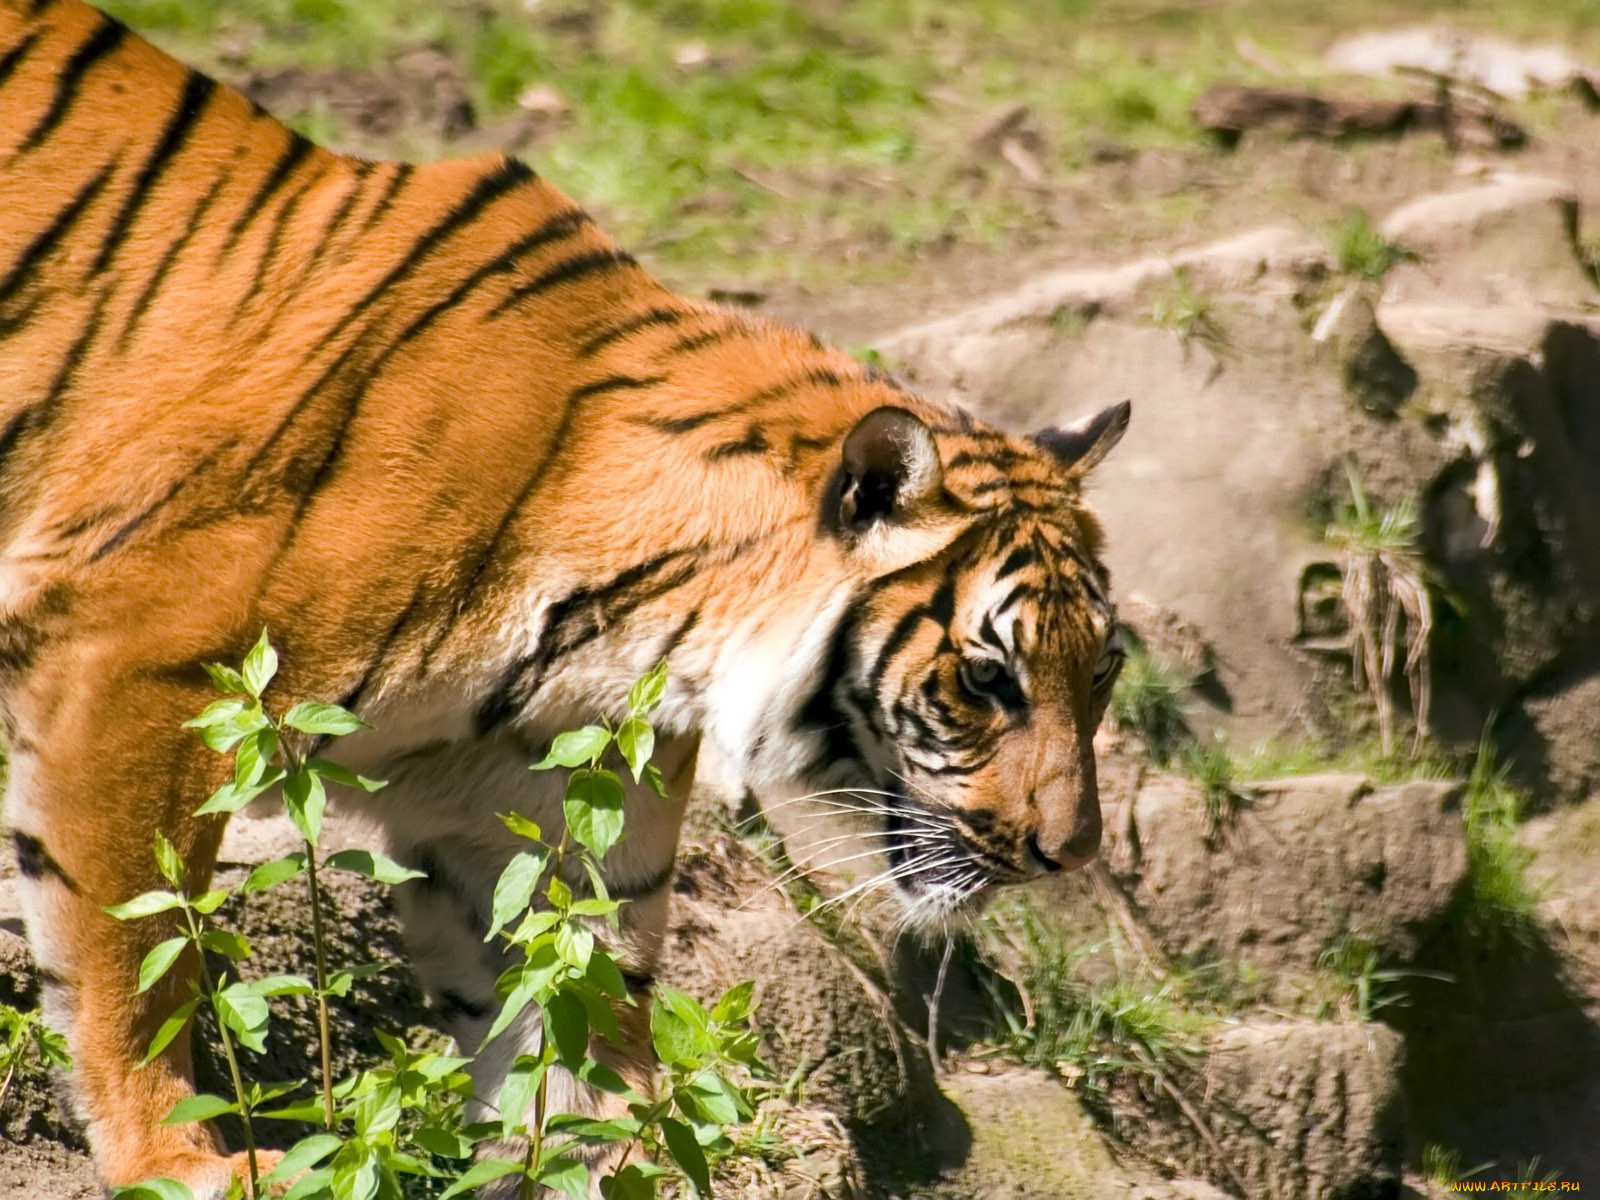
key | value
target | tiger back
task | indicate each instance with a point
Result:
(475, 470)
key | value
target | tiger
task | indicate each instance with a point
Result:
(475, 470)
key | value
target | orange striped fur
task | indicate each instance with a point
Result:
(475, 470)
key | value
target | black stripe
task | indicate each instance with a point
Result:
(505, 177)
(644, 320)
(34, 418)
(153, 285)
(197, 93)
(13, 57)
(675, 638)
(1022, 556)
(502, 262)
(353, 697)
(106, 38)
(595, 262)
(821, 712)
(35, 7)
(753, 442)
(453, 1006)
(340, 215)
(896, 641)
(35, 862)
(942, 607)
(638, 981)
(674, 425)
(269, 252)
(401, 177)
(58, 229)
(576, 620)
(128, 527)
(295, 151)
(697, 341)
(1011, 597)
(989, 634)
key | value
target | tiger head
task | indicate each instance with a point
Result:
(959, 693)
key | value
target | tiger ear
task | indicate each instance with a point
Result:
(890, 470)
(1081, 445)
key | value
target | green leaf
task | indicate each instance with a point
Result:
(575, 748)
(594, 907)
(270, 874)
(277, 985)
(311, 717)
(574, 944)
(308, 1110)
(736, 1004)
(686, 1152)
(254, 756)
(567, 1176)
(373, 865)
(568, 1024)
(653, 780)
(636, 1181)
(517, 1092)
(170, 1028)
(357, 1180)
(602, 1017)
(513, 892)
(260, 665)
(334, 773)
(521, 826)
(593, 808)
(231, 796)
(169, 862)
(207, 903)
(519, 999)
(302, 1156)
(154, 1189)
(592, 1131)
(226, 943)
(314, 1185)
(225, 679)
(244, 1012)
(445, 1143)
(637, 741)
(598, 1075)
(483, 1172)
(146, 904)
(645, 696)
(159, 961)
(713, 1100)
(202, 1107)
(604, 973)
(305, 798)
(218, 712)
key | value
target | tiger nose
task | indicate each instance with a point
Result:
(1071, 847)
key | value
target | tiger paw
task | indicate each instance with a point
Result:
(212, 1176)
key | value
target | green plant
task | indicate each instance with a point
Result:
(1362, 251)
(27, 1043)
(1211, 765)
(1387, 601)
(1442, 1166)
(1148, 700)
(403, 1120)
(1498, 900)
(1189, 313)
(1368, 988)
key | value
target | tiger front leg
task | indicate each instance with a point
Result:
(87, 796)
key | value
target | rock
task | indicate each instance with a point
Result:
(1316, 1110)
(829, 1019)
(1501, 67)
(1512, 241)
(1032, 1140)
(1306, 862)
(1374, 374)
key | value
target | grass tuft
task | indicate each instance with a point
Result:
(1148, 701)
(1362, 251)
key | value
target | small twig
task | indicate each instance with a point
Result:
(933, 1003)
(1194, 1118)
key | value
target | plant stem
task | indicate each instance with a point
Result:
(535, 1155)
(5, 1087)
(322, 986)
(209, 991)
